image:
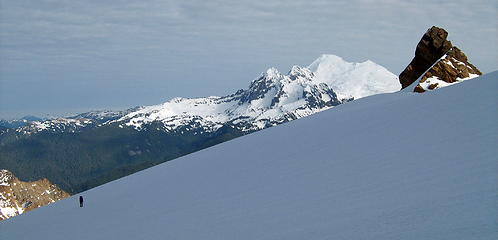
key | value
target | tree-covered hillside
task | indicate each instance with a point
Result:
(82, 160)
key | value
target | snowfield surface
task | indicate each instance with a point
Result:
(390, 166)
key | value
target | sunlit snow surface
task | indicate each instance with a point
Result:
(391, 166)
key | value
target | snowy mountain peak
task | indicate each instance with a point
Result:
(329, 59)
(273, 97)
(300, 72)
(270, 99)
(272, 73)
(353, 80)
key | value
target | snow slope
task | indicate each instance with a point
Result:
(390, 166)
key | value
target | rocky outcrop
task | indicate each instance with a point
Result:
(437, 63)
(431, 47)
(17, 196)
(452, 68)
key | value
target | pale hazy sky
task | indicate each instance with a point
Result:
(61, 56)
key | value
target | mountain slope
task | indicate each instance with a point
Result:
(15, 123)
(366, 170)
(17, 196)
(84, 151)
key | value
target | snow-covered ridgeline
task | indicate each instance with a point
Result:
(58, 124)
(71, 123)
(274, 97)
(271, 99)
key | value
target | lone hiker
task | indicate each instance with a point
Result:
(81, 201)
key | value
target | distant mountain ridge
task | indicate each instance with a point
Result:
(271, 99)
(15, 123)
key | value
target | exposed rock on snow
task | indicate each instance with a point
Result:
(452, 68)
(437, 63)
(430, 48)
(17, 196)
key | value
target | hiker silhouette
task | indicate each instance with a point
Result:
(81, 201)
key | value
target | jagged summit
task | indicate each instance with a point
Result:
(274, 97)
(437, 63)
(270, 99)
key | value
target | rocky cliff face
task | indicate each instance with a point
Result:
(17, 196)
(437, 63)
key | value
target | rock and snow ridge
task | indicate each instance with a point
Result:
(437, 63)
(450, 69)
(17, 197)
(271, 99)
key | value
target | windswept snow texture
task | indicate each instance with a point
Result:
(391, 166)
